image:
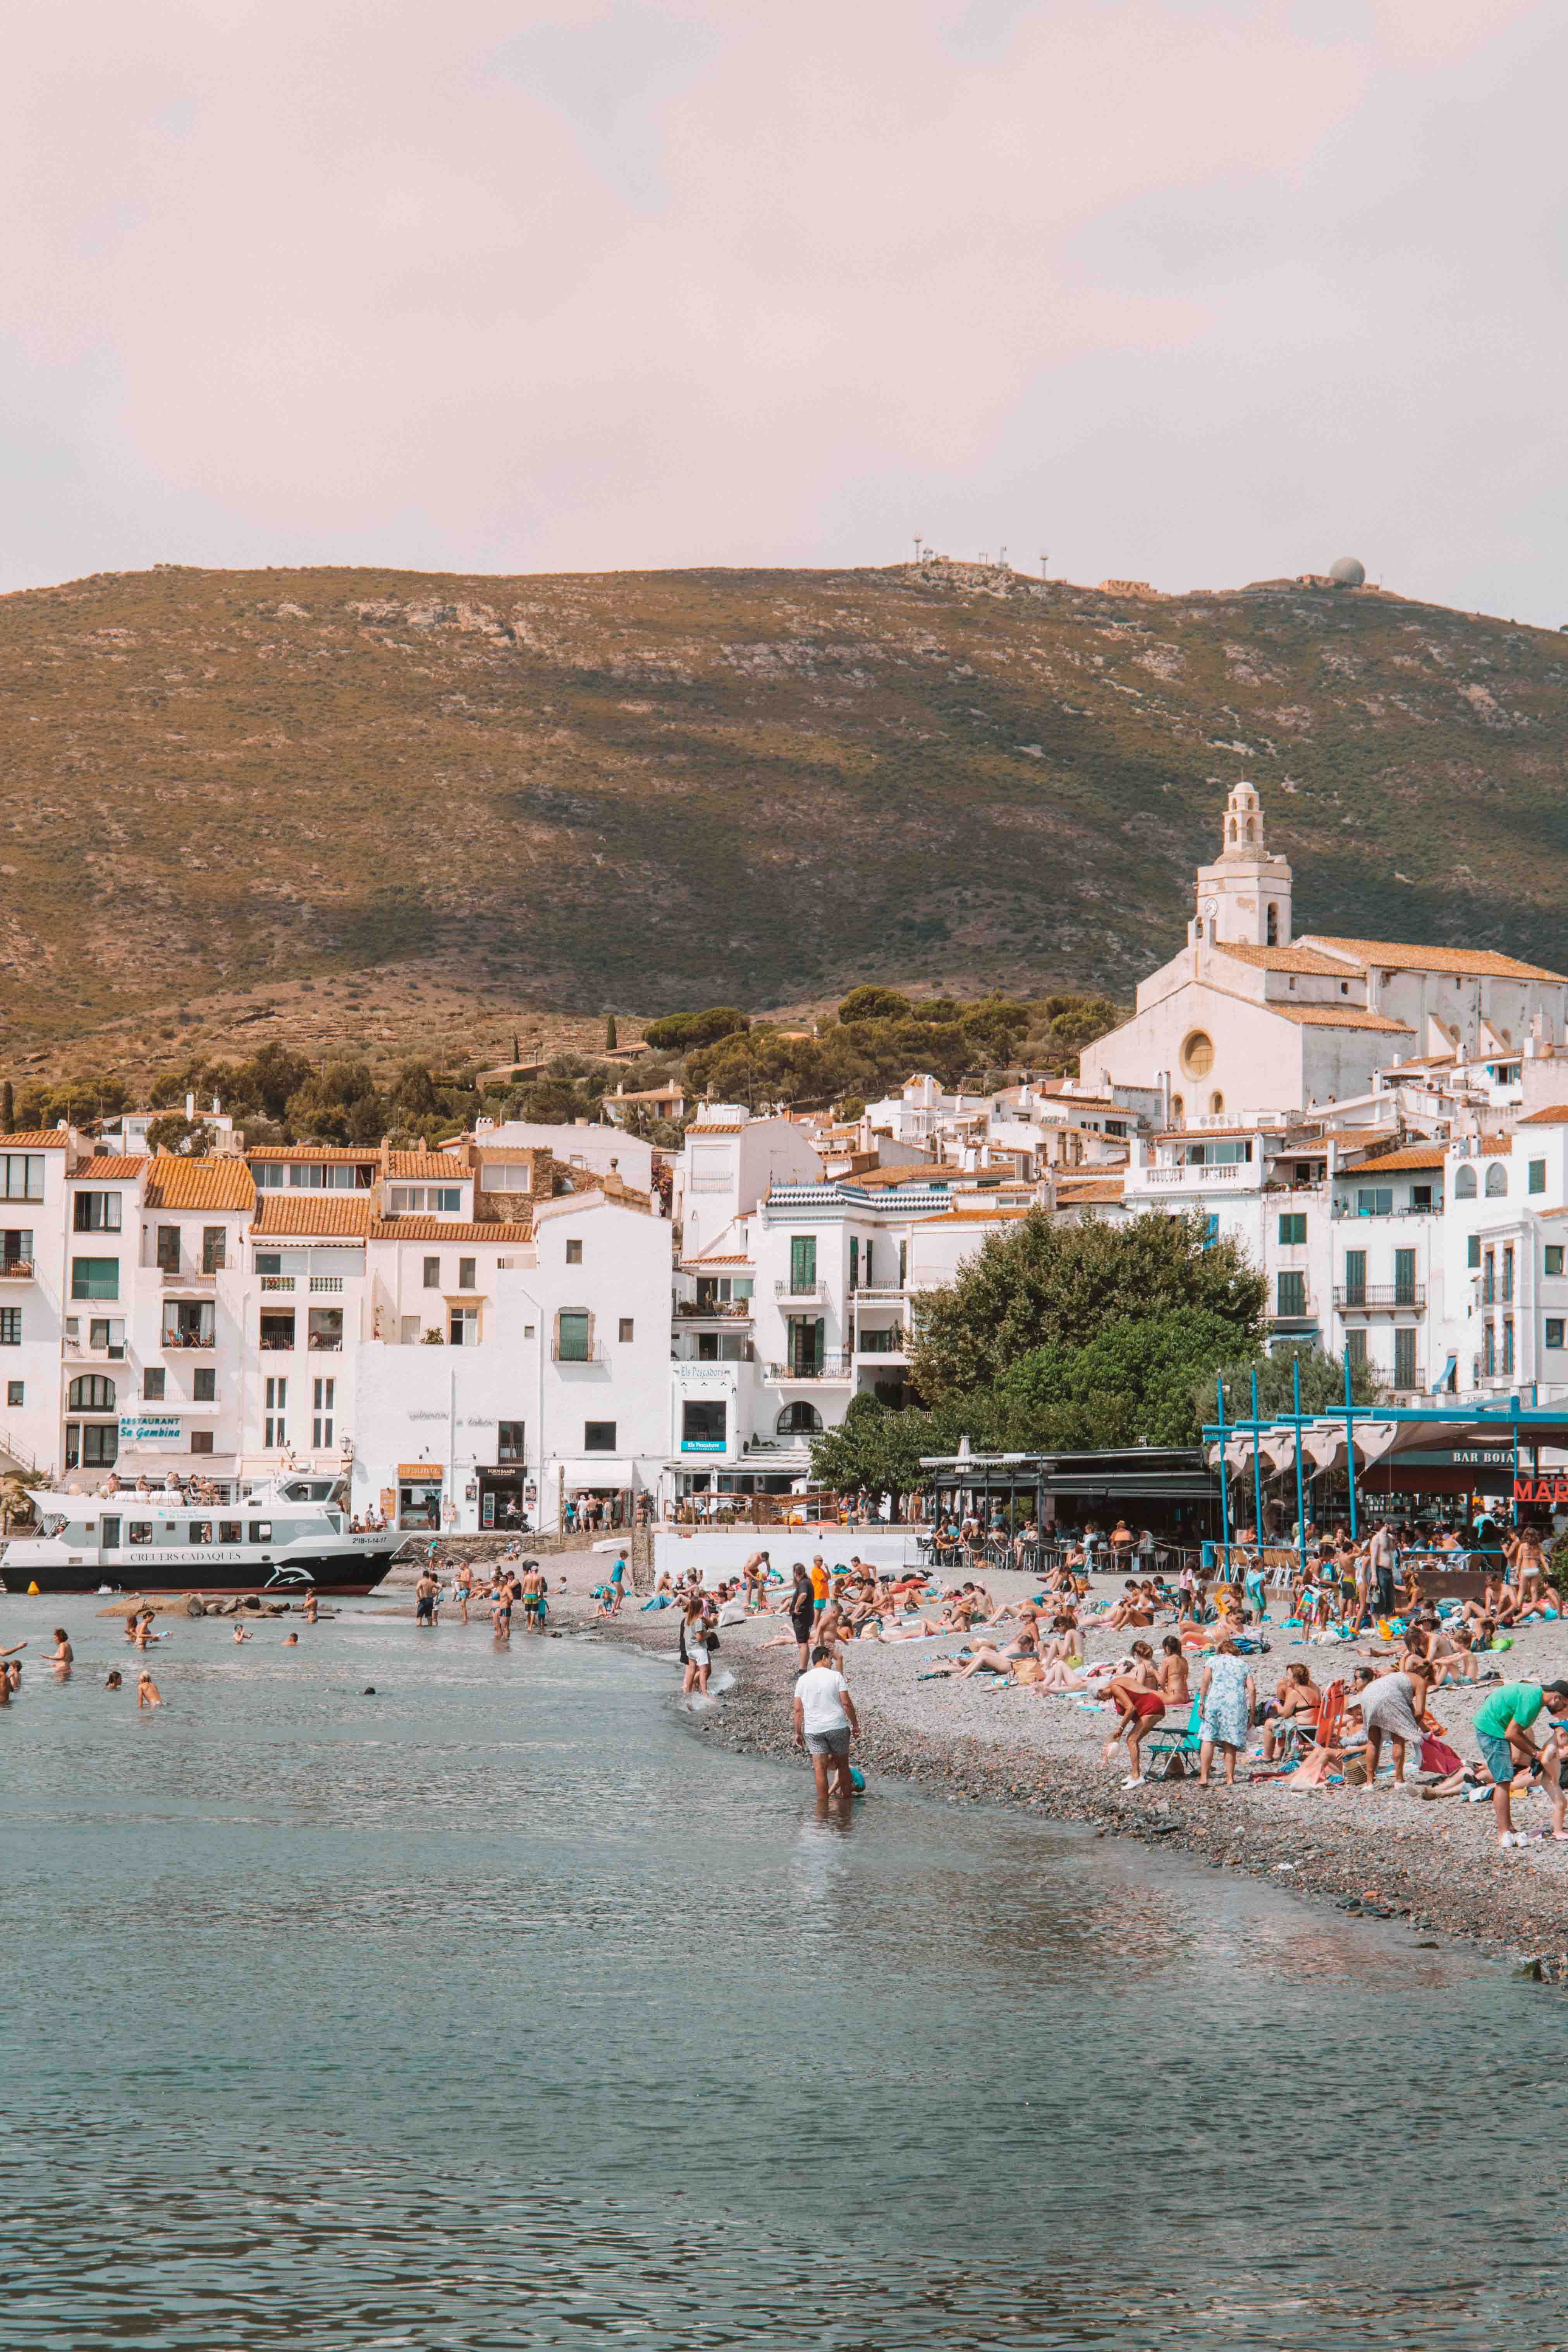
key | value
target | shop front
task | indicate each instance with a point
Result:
(421, 1487)
(502, 1494)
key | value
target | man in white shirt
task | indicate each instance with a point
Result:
(826, 1721)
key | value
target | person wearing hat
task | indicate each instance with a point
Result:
(1502, 1731)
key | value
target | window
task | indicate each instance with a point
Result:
(1405, 1358)
(108, 1333)
(1217, 1104)
(1489, 1350)
(802, 1263)
(798, 1420)
(1554, 1330)
(1538, 1176)
(573, 1252)
(22, 1175)
(903, 1264)
(432, 1274)
(275, 1426)
(10, 1327)
(1508, 1272)
(201, 1441)
(1356, 1277)
(1374, 1201)
(1178, 1107)
(1488, 1277)
(230, 1531)
(598, 1437)
(463, 1326)
(467, 1269)
(15, 1248)
(154, 1379)
(508, 1442)
(445, 1199)
(506, 1176)
(168, 1249)
(323, 1398)
(571, 1337)
(267, 1175)
(1496, 1181)
(214, 1240)
(99, 1443)
(95, 1277)
(1473, 1252)
(268, 1261)
(1465, 1184)
(1293, 1229)
(15, 1392)
(703, 1423)
(98, 1212)
(1405, 1277)
(1197, 1053)
(1554, 1258)
(1507, 1344)
(1273, 933)
(1211, 1229)
(627, 1326)
(854, 1263)
(261, 1531)
(1293, 1297)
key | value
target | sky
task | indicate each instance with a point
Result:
(1191, 291)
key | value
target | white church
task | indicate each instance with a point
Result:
(1247, 1017)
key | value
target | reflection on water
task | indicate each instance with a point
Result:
(499, 2009)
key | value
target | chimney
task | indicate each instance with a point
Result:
(190, 1106)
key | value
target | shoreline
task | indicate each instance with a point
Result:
(1377, 1855)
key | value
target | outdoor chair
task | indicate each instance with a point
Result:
(1168, 1743)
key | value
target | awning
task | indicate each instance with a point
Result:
(1446, 1380)
(593, 1470)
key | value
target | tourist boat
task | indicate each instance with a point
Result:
(284, 1535)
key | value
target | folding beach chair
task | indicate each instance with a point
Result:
(1164, 1745)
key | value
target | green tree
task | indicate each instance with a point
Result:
(874, 1450)
(609, 1033)
(684, 1031)
(875, 1005)
(187, 1138)
(8, 1109)
(1322, 1385)
(1134, 1383)
(1039, 1283)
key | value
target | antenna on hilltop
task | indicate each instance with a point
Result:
(1002, 558)
(920, 542)
(1044, 559)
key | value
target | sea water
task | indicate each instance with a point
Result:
(504, 2008)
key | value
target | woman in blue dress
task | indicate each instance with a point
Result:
(1227, 1694)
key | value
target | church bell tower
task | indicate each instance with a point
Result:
(1244, 898)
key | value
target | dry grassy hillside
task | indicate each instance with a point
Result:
(399, 806)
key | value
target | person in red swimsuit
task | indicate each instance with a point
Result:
(1139, 1704)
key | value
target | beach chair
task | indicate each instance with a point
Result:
(1168, 1742)
(1321, 1730)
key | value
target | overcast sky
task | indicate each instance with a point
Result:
(1196, 291)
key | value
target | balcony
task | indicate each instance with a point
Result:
(1415, 1209)
(836, 1365)
(323, 1282)
(888, 1346)
(1294, 1317)
(811, 1292)
(183, 1340)
(1231, 1173)
(1379, 1297)
(277, 1282)
(15, 1270)
(1414, 1386)
(878, 1294)
(737, 1310)
(185, 1277)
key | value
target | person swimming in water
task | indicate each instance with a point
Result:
(115, 1679)
(62, 1654)
(147, 1691)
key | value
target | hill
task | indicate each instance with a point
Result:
(396, 799)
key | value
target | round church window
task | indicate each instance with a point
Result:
(1197, 1054)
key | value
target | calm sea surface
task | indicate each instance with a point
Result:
(500, 2009)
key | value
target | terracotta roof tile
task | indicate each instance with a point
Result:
(1554, 1115)
(1415, 1155)
(1090, 1196)
(337, 1213)
(1480, 963)
(34, 1138)
(178, 1183)
(333, 1155)
(1497, 1147)
(107, 1169)
(977, 1217)
(1341, 1016)
(440, 1229)
(404, 1164)
(1291, 959)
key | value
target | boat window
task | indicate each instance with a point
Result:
(201, 1532)
(298, 1493)
(140, 1531)
(261, 1531)
(230, 1531)
(110, 1534)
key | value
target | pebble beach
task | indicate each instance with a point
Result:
(1383, 1853)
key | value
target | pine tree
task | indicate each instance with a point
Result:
(516, 1050)
(609, 1033)
(8, 1109)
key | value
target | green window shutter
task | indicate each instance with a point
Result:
(95, 1277)
(802, 1263)
(1538, 1175)
(1473, 1252)
(819, 1330)
(854, 1263)
(1356, 1277)
(573, 1347)
(1405, 1277)
(1293, 1294)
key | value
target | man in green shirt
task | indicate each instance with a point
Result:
(1502, 1731)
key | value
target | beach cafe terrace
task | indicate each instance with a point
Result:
(1171, 1490)
(1375, 1460)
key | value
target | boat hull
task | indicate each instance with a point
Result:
(345, 1576)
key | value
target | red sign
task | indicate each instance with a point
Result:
(1552, 1491)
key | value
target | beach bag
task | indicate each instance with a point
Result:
(1437, 1756)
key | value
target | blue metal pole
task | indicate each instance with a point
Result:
(1350, 1445)
(1224, 1487)
(1300, 1498)
(1256, 1472)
